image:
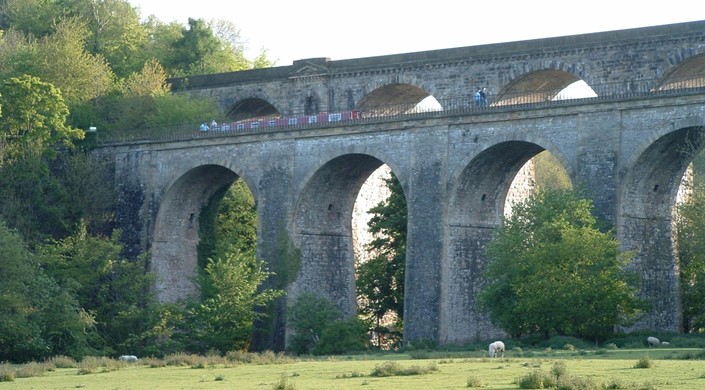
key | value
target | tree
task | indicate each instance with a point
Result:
(551, 271)
(308, 316)
(34, 116)
(380, 280)
(196, 44)
(225, 318)
(690, 238)
(38, 319)
(115, 290)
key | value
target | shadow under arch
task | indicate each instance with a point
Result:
(323, 230)
(535, 87)
(646, 222)
(176, 230)
(688, 74)
(475, 210)
(252, 108)
(392, 99)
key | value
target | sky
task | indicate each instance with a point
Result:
(298, 29)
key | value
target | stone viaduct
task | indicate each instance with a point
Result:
(629, 147)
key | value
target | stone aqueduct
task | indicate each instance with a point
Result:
(628, 149)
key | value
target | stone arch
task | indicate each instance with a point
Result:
(176, 229)
(476, 204)
(535, 87)
(392, 99)
(252, 108)
(648, 197)
(690, 73)
(323, 229)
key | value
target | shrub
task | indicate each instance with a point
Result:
(386, 369)
(644, 362)
(395, 369)
(474, 381)
(308, 316)
(342, 337)
(536, 379)
(30, 370)
(570, 382)
(7, 373)
(62, 361)
(284, 384)
(559, 369)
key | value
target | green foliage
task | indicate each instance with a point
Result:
(551, 271)
(690, 235)
(380, 280)
(395, 369)
(34, 116)
(342, 337)
(114, 290)
(549, 173)
(196, 44)
(225, 317)
(38, 318)
(34, 201)
(644, 362)
(308, 316)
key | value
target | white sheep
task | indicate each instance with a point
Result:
(652, 341)
(495, 348)
(128, 358)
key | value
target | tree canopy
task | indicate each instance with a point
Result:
(551, 271)
(690, 238)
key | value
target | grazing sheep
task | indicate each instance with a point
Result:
(652, 341)
(496, 348)
(128, 358)
(665, 343)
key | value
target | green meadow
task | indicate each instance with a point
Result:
(680, 368)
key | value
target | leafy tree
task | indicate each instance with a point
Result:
(308, 316)
(38, 319)
(549, 173)
(552, 271)
(196, 44)
(228, 223)
(32, 17)
(34, 203)
(225, 318)
(341, 337)
(113, 289)
(690, 236)
(34, 115)
(380, 280)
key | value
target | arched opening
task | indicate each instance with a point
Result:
(477, 205)
(252, 108)
(646, 223)
(330, 227)
(543, 86)
(688, 74)
(177, 226)
(397, 99)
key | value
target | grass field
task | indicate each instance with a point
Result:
(609, 369)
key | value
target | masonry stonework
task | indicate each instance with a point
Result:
(455, 166)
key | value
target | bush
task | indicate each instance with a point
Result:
(644, 362)
(308, 316)
(474, 381)
(342, 337)
(536, 379)
(62, 361)
(395, 369)
(7, 373)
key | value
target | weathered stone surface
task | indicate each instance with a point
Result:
(456, 167)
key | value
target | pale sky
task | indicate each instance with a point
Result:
(292, 30)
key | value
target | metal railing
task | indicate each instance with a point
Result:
(457, 105)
